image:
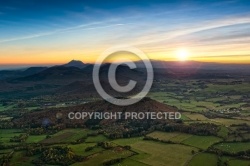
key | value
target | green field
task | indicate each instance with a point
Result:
(184, 117)
(170, 136)
(228, 122)
(132, 162)
(202, 142)
(181, 137)
(160, 154)
(163, 135)
(232, 161)
(7, 134)
(19, 158)
(127, 141)
(98, 158)
(239, 162)
(233, 147)
(66, 136)
(177, 94)
(98, 138)
(243, 88)
(155, 153)
(35, 138)
(185, 149)
(80, 149)
(188, 105)
(204, 159)
(3, 108)
(195, 116)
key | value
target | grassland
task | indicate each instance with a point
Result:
(132, 162)
(195, 116)
(190, 104)
(184, 117)
(7, 134)
(232, 161)
(202, 142)
(204, 159)
(228, 122)
(127, 141)
(189, 96)
(160, 154)
(35, 138)
(238, 162)
(66, 136)
(19, 158)
(80, 149)
(233, 147)
(98, 138)
(155, 153)
(185, 95)
(3, 108)
(212, 88)
(163, 135)
(98, 158)
(176, 137)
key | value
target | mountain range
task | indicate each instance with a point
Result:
(75, 78)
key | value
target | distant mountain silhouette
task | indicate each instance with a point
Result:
(71, 82)
(86, 88)
(77, 82)
(195, 64)
(56, 73)
(34, 70)
(75, 63)
(7, 74)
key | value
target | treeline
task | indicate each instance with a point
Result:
(58, 156)
(112, 161)
(5, 159)
(141, 129)
(241, 154)
(20, 138)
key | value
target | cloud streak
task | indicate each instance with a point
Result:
(205, 26)
(82, 27)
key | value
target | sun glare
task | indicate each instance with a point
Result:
(182, 54)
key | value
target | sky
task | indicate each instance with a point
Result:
(57, 31)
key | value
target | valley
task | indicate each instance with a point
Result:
(214, 127)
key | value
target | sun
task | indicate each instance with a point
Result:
(182, 54)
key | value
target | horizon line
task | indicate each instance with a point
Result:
(9, 65)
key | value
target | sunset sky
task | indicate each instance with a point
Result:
(54, 32)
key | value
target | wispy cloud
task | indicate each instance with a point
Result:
(222, 56)
(208, 25)
(82, 27)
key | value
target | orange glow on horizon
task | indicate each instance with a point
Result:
(62, 57)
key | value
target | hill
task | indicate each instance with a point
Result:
(85, 88)
(8, 74)
(56, 73)
(36, 119)
(75, 82)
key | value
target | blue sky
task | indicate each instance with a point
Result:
(44, 32)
